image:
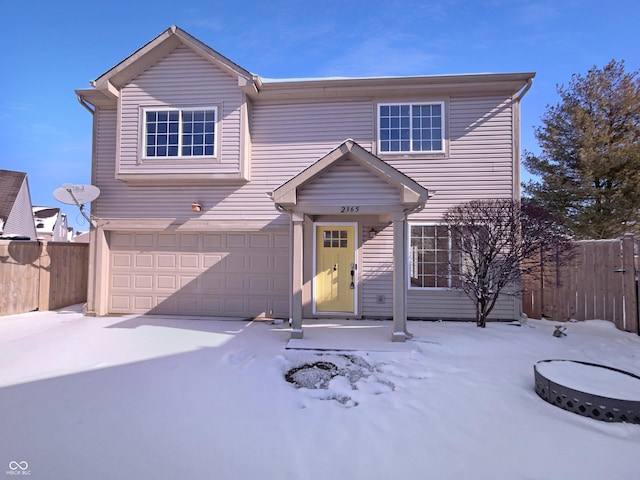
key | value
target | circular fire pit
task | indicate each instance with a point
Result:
(591, 390)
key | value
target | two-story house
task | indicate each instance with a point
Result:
(225, 194)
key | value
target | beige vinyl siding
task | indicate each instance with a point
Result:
(103, 172)
(480, 161)
(377, 272)
(276, 157)
(165, 84)
(454, 305)
(348, 184)
(287, 138)
(479, 164)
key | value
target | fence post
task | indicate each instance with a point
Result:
(630, 300)
(44, 274)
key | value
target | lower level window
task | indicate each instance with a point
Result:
(180, 132)
(434, 262)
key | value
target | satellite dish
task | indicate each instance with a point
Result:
(77, 195)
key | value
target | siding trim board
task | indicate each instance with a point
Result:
(283, 164)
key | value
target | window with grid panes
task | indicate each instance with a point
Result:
(411, 127)
(434, 262)
(180, 132)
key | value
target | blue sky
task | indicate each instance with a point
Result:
(50, 48)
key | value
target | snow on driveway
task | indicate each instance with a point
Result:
(150, 397)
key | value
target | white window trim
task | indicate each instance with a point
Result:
(413, 152)
(410, 254)
(167, 158)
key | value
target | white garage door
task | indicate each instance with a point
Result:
(236, 274)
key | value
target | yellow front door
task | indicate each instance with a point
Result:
(336, 269)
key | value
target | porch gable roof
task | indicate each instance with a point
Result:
(412, 195)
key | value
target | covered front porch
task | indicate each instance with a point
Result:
(331, 204)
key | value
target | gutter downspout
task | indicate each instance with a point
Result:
(516, 147)
(518, 179)
(90, 306)
(524, 90)
(85, 104)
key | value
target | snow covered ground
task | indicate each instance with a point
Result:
(185, 398)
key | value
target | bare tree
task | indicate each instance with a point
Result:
(496, 242)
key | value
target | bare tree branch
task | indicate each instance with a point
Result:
(497, 241)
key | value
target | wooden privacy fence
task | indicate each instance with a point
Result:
(42, 275)
(600, 282)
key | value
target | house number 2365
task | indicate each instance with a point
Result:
(350, 209)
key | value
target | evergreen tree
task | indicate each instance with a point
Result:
(589, 166)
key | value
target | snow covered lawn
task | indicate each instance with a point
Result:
(185, 398)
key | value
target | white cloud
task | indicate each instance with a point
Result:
(379, 56)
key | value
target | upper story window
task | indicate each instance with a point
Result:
(411, 127)
(180, 132)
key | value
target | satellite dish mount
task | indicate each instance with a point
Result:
(77, 195)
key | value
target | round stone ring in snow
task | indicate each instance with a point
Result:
(595, 391)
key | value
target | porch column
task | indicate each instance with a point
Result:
(399, 333)
(297, 242)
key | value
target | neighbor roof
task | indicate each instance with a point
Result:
(10, 184)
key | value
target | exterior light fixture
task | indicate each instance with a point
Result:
(372, 233)
(196, 207)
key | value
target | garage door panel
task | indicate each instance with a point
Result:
(121, 240)
(260, 285)
(144, 240)
(211, 305)
(259, 240)
(143, 282)
(167, 240)
(235, 306)
(167, 281)
(235, 263)
(280, 264)
(121, 281)
(210, 261)
(236, 240)
(234, 284)
(281, 241)
(143, 302)
(259, 263)
(188, 260)
(165, 305)
(121, 260)
(213, 240)
(188, 282)
(212, 281)
(259, 304)
(188, 240)
(241, 274)
(120, 302)
(166, 260)
(143, 260)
